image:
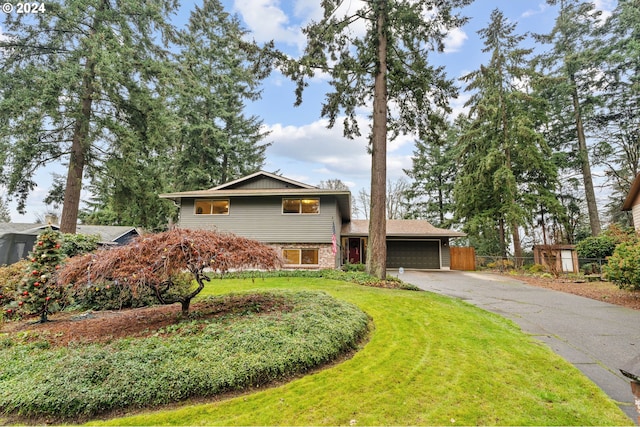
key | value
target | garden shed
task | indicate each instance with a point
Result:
(558, 258)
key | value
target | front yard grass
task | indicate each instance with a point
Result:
(431, 360)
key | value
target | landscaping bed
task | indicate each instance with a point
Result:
(73, 367)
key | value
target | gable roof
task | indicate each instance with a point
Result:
(242, 182)
(633, 194)
(400, 228)
(263, 184)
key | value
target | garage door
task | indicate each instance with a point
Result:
(413, 254)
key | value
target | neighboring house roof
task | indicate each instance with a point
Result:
(633, 194)
(287, 187)
(107, 233)
(400, 228)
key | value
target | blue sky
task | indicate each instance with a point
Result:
(303, 148)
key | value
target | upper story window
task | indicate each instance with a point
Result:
(212, 207)
(301, 206)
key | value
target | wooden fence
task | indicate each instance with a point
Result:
(463, 258)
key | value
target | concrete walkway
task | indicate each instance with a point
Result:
(597, 337)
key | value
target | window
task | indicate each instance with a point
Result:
(300, 256)
(212, 207)
(300, 206)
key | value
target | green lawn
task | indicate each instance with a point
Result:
(430, 361)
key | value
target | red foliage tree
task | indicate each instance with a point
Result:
(159, 262)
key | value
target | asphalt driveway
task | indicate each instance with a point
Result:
(597, 337)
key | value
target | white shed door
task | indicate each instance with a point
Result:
(567, 261)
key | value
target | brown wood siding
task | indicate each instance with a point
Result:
(463, 258)
(261, 218)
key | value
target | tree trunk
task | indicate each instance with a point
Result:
(517, 244)
(185, 303)
(79, 151)
(377, 244)
(503, 239)
(583, 155)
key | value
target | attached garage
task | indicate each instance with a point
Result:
(414, 244)
(419, 254)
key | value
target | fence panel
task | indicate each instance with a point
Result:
(463, 258)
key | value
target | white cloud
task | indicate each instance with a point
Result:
(455, 40)
(606, 7)
(267, 21)
(542, 7)
(312, 153)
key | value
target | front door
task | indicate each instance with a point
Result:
(355, 251)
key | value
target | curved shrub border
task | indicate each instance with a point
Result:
(189, 359)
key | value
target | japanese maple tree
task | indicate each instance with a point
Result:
(159, 262)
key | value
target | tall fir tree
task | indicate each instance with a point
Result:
(505, 165)
(65, 75)
(617, 120)
(571, 81)
(219, 71)
(388, 62)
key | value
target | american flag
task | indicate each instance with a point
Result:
(334, 243)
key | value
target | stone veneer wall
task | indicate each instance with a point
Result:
(326, 258)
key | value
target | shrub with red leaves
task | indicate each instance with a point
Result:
(159, 262)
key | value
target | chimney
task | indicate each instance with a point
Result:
(51, 219)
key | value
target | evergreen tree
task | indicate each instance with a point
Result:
(5, 215)
(389, 62)
(218, 72)
(433, 173)
(67, 77)
(40, 293)
(506, 169)
(125, 188)
(569, 66)
(617, 120)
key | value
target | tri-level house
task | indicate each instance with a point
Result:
(311, 226)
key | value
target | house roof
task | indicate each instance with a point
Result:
(633, 193)
(290, 188)
(107, 233)
(400, 228)
(261, 174)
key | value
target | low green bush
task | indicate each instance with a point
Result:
(537, 268)
(623, 267)
(502, 264)
(10, 278)
(203, 357)
(591, 268)
(78, 244)
(353, 267)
